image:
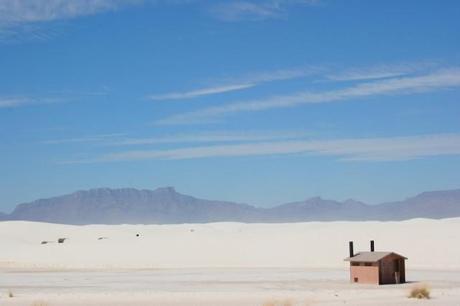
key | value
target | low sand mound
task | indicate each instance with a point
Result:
(431, 244)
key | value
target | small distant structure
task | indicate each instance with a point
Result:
(61, 240)
(376, 267)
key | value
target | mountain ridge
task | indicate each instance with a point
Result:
(165, 205)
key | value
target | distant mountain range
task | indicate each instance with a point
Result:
(165, 205)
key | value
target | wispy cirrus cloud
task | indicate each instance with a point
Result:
(278, 75)
(367, 75)
(239, 83)
(255, 10)
(382, 71)
(121, 139)
(21, 33)
(11, 102)
(352, 149)
(211, 137)
(14, 12)
(436, 80)
(100, 138)
(22, 20)
(322, 72)
(21, 101)
(200, 92)
(57, 97)
(26, 20)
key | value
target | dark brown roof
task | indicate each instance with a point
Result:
(371, 256)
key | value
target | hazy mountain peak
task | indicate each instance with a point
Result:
(353, 202)
(314, 199)
(167, 189)
(101, 190)
(438, 193)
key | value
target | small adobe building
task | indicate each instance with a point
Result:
(376, 267)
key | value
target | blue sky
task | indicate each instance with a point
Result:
(261, 102)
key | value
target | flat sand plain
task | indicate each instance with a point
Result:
(221, 263)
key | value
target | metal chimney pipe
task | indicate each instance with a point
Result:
(372, 245)
(350, 246)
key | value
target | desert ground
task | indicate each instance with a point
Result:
(221, 263)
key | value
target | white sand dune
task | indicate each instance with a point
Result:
(430, 244)
(221, 263)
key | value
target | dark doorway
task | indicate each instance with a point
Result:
(396, 265)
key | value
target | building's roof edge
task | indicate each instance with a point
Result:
(371, 256)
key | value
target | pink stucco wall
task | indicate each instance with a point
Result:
(364, 274)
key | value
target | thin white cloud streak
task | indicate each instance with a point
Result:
(27, 32)
(16, 101)
(255, 10)
(234, 11)
(380, 71)
(255, 79)
(441, 79)
(200, 92)
(358, 149)
(24, 20)
(241, 83)
(20, 101)
(93, 138)
(14, 12)
(366, 75)
(119, 139)
(211, 137)
(278, 75)
(11, 102)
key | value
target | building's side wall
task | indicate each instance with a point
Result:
(364, 274)
(387, 270)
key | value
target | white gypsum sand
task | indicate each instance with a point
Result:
(429, 244)
(220, 263)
